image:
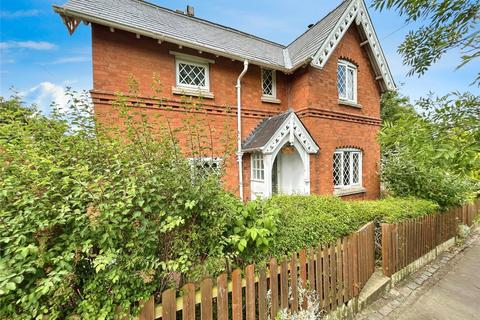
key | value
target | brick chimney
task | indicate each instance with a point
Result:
(190, 11)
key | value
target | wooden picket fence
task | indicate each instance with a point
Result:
(405, 242)
(467, 213)
(337, 272)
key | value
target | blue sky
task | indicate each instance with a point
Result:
(39, 58)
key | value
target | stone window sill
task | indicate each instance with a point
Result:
(349, 191)
(268, 99)
(349, 104)
(192, 92)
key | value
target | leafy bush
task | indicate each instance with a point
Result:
(306, 221)
(254, 225)
(434, 155)
(91, 221)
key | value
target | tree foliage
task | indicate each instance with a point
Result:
(447, 24)
(434, 154)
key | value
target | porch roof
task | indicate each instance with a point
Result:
(269, 133)
(259, 137)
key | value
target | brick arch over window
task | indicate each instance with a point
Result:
(350, 146)
(344, 58)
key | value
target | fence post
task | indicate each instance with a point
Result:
(250, 292)
(222, 297)
(386, 249)
(169, 305)
(188, 312)
(237, 295)
(147, 311)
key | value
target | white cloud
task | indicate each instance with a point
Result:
(45, 93)
(70, 60)
(19, 13)
(35, 45)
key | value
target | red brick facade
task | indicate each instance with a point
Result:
(311, 92)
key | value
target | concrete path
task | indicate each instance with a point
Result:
(446, 289)
(456, 295)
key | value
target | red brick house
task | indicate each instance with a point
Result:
(309, 112)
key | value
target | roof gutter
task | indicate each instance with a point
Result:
(239, 129)
(193, 45)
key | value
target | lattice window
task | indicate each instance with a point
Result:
(268, 82)
(347, 81)
(258, 170)
(342, 83)
(347, 168)
(206, 165)
(356, 167)
(192, 75)
(337, 169)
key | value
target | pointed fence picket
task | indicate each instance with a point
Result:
(336, 271)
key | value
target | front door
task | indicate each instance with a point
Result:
(288, 172)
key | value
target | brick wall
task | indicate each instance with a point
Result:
(119, 55)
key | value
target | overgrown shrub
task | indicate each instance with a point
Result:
(255, 224)
(306, 221)
(92, 218)
(433, 155)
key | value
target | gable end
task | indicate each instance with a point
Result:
(357, 12)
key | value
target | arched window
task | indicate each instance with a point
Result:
(347, 81)
(347, 168)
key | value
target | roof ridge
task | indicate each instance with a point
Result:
(319, 21)
(201, 20)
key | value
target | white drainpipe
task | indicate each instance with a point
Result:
(239, 129)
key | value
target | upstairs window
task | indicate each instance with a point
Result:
(347, 168)
(269, 85)
(192, 75)
(258, 170)
(347, 81)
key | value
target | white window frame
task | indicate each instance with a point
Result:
(348, 66)
(193, 62)
(257, 172)
(274, 84)
(351, 185)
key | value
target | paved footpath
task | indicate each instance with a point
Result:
(446, 289)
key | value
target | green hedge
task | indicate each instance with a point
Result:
(392, 210)
(308, 220)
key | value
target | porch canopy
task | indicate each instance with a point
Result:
(281, 148)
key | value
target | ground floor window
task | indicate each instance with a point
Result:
(258, 170)
(206, 164)
(347, 168)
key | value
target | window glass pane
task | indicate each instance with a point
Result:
(350, 84)
(191, 75)
(257, 167)
(267, 82)
(356, 167)
(346, 168)
(342, 81)
(337, 169)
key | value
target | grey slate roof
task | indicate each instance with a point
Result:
(308, 43)
(264, 131)
(141, 15)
